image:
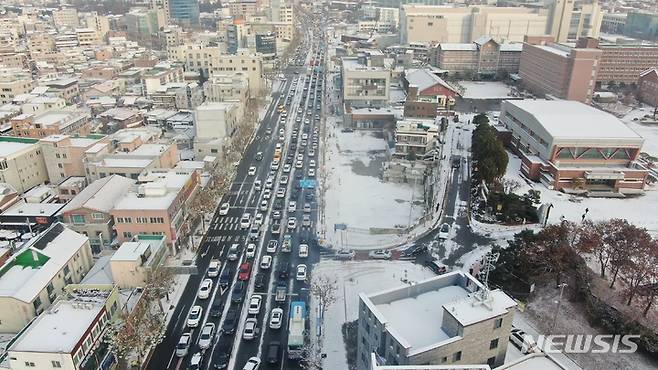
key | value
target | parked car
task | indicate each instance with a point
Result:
(184, 345)
(194, 317)
(380, 254)
(276, 318)
(207, 333)
(522, 341)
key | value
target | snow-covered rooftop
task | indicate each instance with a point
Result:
(100, 195)
(33, 209)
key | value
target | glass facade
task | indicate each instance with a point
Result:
(185, 11)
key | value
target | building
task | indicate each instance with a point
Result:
(647, 87)
(21, 163)
(437, 24)
(162, 6)
(88, 213)
(66, 18)
(143, 23)
(484, 56)
(625, 62)
(185, 12)
(179, 95)
(135, 259)
(30, 215)
(32, 278)
(642, 25)
(451, 319)
(157, 206)
(69, 334)
(364, 84)
(103, 160)
(613, 23)
(573, 147)
(161, 75)
(14, 82)
(65, 88)
(558, 70)
(214, 124)
(427, 94)
(572, 19)
(243, 8)
(415, 138)
(98, 23)
(222, 87)
(52, 122)
(63, 155)
(88, 36)
(266, 45)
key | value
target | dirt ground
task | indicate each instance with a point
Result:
(572, 320)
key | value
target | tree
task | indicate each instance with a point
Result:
(592, 240)
(411, 156)
(552, 248)
(640, 265)
(510, 185)
(622, 239)
(480, 119)
(323, 289)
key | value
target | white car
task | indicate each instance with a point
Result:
(444, 231)
(281, 192)
(292, 222)
(249, 331)
(306, 220)
(196, 361)
(307, 207)
(304, 136)
(252, 171)
(184, 344)
(213, 268)
(205, 289)
(258, 185)
(380, 254)
(263, 206)
(276, 318)
(258, 220)
(311, 153)
(205, 338)
(311, 163)
(287, 168)
(252, 364)
(267, 194)
(275, 165)
(223, 209)
(522, 341)
(269, 183)
(303, 250)
(299, 164)
(245, 221)
(194, 317)
(292, 206)
(266, 262)
(311, 172)
(300, 156)
(251, 250)
(254, 304)
(301, 272)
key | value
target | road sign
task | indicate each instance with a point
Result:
(340, 227)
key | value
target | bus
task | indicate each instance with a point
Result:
(296, 330)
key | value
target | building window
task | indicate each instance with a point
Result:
(97, 216)
(56, 364)
(498, 323)
(78, 219)
(36, 303)
(29, 364)
(493, 344)
(457, 356)
(127, 234)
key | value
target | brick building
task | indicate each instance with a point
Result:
(647, 87)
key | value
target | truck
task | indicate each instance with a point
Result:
(281, 291)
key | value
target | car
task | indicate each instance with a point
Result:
(233, 252)
(273, 352)
(224, 208)
(238, 290)
(311, 163)
(311, 153)
(380, 254)
(184, 344)
(436, 267)
(213, 268)
(267, 194)
(225, 278)
(272, 245)
(252, 171)
(306, 220)
(276, 228)
(254, 233)
(265, 262)
(300, 275)
(286, 168)
(258, 185)
(283, 180)
(276, 318)
(414, 250)
(282, 131)
(245, 221)
(231, 320)
(292, 206)
(205, 338)
(300, 157)
(444, 231)
(245, 271)
(217, 307)
(275, 163)
(251, 250)
(303, 250)
(222, 356)
(292, 223)
(299, 164)
(269, 183)
(304, 143)
(281, 192)
(258, 220)
(311, 172)
(250, 328)
(456, 162)
(196, 361)
(258, 156)
(283, 272)
(522, 341)
(194, 316)
(307, 207)
(254, 304)
(254, 362)
(263, 206)
(205, 289)
(344, 254)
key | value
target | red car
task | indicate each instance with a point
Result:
(245, 271)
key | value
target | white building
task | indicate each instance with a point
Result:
(21, 163)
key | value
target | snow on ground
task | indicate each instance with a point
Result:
(647, 130)
(485, 90)
(355, 194)
(353, 278)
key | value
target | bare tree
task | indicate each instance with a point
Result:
(323, 289)
(624, 238)
(640, 266)
(510, 185)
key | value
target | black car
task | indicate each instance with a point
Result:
(414, 250)
(273, 352)
(225, 278)
(283, 272)
(238, 290)
(222, 357)
(231, 320)
(278, 204)
(217, 307)
(260, 280)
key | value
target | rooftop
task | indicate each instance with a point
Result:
(100, 195)
(33, 209)
(145, 247)
(9, 146)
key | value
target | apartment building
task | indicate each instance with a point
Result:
(66, 18)
(135, 259)
(88, 213)
(558, 70)
(98, 23)
(52, 122)
(210, 61)
(180, 95)
(214, 123)
(613, 23)
(437, 24)
(21, 163)
(484, 56)
(625, 62)
(572, 19)
(647, 87)
(364, 84)
(243, 8)
(63, 155)
(88, 37)
(32, 278)
(65, 88)
(69, 334)
(641, 25)
(128, 163)
(184, 11)
(225, 87)
(160, 75)
(574, 147)
(40, 42)
(415, 137)
(451, 319)
(37, 104)
(427, 93)
(14, 82)
(157, 206)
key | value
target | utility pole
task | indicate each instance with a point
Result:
(557, 310)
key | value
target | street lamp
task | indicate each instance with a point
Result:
(559, 304)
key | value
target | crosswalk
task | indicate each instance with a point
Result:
(226, 238)
(228, 223)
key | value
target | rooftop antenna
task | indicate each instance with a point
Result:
(488, 264)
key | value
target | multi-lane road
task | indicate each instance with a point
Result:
(301, 92)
